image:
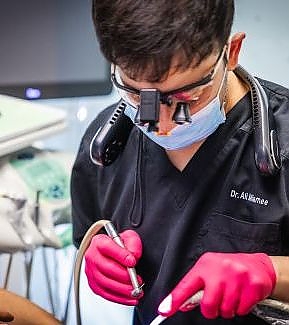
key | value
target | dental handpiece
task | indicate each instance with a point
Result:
(112, 233)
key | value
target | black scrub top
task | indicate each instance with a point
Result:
(220, 202)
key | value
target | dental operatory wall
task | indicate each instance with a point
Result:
(265, 50)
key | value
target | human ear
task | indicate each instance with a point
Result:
(235, 44)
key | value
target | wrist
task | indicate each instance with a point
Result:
(281, 266)
(271, 268)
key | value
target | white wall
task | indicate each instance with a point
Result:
(265, 50)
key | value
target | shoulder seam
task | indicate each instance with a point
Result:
(284, 93)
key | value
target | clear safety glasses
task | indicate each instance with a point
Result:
(198, 91)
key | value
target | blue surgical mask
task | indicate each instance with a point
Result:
(203, 123)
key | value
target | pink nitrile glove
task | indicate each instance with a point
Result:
(233, 283)
(106, 266)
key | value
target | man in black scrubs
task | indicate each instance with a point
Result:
(192, 208)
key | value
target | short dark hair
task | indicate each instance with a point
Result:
(143, 36)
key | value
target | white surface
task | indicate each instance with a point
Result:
(22, 122)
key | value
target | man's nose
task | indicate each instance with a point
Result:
(166, 123)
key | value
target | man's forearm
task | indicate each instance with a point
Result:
(281, 265)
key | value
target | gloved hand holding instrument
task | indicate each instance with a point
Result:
(109, 267)
(223, 284)
(110, 261)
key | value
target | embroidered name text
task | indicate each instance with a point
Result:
(248, 197)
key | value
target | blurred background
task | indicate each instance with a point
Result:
(49, 56)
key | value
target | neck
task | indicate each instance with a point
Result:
(236, 90)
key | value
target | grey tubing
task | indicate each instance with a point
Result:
(91, 232)
(259, 310)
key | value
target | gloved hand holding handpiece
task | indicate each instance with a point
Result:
(110, 261)
(232, 284)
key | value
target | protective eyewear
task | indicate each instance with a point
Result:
(189, 93)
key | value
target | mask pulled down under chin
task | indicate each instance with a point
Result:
(204, 123)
